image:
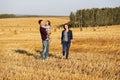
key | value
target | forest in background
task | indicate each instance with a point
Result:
(95, 17)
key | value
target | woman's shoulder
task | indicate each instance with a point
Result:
(70, 30)
(63, 30)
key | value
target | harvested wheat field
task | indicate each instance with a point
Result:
(94, 53)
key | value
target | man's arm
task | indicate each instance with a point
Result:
(48, 30)
(43, 31)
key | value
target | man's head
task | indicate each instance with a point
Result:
(41, 23)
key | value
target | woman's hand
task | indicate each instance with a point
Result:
(71, 42)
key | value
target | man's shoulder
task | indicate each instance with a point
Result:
(42, 29)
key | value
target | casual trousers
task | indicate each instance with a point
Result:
(66, 46)
(45, 50)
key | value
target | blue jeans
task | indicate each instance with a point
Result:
(66, 46)
(45, 51)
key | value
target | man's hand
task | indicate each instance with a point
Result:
(48, 32)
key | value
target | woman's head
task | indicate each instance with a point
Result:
(48, 23)
(66, 27)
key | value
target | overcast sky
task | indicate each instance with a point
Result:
(52, 7)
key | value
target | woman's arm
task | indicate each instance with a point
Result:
(71, 35)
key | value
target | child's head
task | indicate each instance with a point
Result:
(48, 23)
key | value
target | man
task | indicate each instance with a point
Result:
(45, 42)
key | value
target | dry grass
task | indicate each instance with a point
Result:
(31, 22)
(95, 54)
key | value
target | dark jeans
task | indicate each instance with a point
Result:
(45, 51)
(66, 46)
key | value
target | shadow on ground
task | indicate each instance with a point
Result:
(53, 55)
(20, 51)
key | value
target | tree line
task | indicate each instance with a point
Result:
(25, 16)
(7, 16)
(95, 17)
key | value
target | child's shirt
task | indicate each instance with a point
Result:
(48, 28)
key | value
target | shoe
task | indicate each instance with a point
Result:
(63, 53)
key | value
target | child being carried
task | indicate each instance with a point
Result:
(48, 29)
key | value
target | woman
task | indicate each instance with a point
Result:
(66, 40)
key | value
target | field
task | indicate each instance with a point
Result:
(94, 53)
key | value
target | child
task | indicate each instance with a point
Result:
(48, 29)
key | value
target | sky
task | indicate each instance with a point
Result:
(52, 7)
